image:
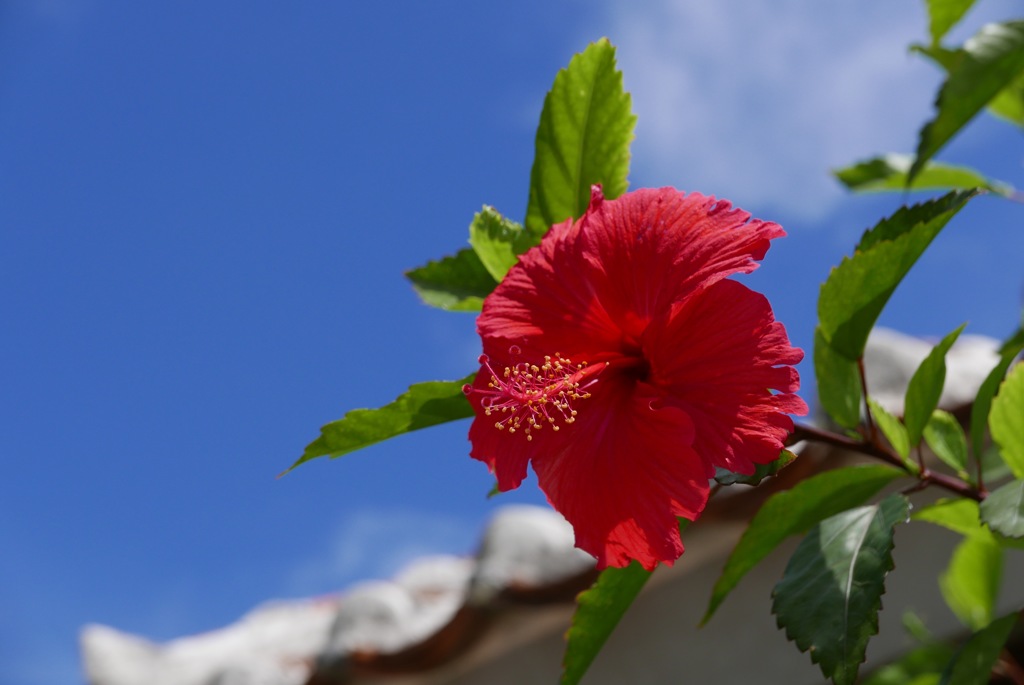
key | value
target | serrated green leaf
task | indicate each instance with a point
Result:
(598, 611)
(857, 290)
(889, 173)
(829, 598)
(583, 138)
(423, 405)
(944, 14)
(893, 430)
(983, 402)
(973, 662)
(933, 213)
(925, 388)
(457, 283)
(1003, 510)
(945, 436)
(1006, 420)
(970, 584)
(992, 60)
(761, 471)
(493, 238)
(839, 386)
(795, 511)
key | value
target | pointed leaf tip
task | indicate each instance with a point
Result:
(858, 289)
(585, 130)
(925, 388)
(421, 406)
(456, 283)
(991, 61)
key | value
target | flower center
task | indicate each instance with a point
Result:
(527, 396)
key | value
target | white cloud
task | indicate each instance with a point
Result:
(755, 101)
(376, 544)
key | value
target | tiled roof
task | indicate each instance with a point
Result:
(521, 581)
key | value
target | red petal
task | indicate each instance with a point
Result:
(652, 248)
(718, 357)
(541, 307)
(589, 289)
(625, 474)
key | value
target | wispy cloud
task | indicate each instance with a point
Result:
(59, 11)
(755, 101)
(377, 543)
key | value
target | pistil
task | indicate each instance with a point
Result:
(527, 396)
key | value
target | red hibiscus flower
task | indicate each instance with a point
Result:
(622, 365)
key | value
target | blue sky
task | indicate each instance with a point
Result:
(207, 209)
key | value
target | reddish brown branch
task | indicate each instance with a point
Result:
(926, 476)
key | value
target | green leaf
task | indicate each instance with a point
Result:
(890, 173)
(598, 612)
(493, 237)
(423, 405)
(839, 387)
(992, 60)
(964, 516)
(761, 471)
(895, 432)
(583, 138)
(1009, 104)
(934, 214)
(992, 464)
(944, 14)
(973, 663)
(857, 290)
(925, 388)
(970, 584)
(946, 58)
(1006, 421)
(958, 515)
(457, 283)
(795, 511)
(1003, 509)
(920, 666)
(983, 403)
(916, 628)
(945, 436)
(829, 598)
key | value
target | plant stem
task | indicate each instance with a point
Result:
(872, 431)
(926, 476)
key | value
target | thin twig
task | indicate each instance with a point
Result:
(1010, 667)
(981, 481)
(872, 431)
(926, 476)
